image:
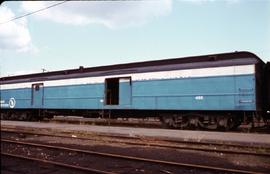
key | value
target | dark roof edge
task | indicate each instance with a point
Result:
(189, 59)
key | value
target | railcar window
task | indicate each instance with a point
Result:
(37, 87)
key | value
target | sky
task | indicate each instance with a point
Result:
(85, 33)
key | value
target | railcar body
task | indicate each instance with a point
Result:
(211, 91)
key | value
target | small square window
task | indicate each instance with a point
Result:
(36, 87)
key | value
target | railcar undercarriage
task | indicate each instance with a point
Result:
(177, 120)
(211, 121)
(192, 120)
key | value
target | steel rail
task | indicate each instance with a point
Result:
(85, 169)
(133, 158)
(160, 145)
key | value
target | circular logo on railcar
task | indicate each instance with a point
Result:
(12, 102)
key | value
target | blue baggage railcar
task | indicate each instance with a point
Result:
(208, 91)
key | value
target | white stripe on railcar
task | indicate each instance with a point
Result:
(189, 73)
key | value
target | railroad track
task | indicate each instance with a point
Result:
(184, 145)
(111, 156)
(59, 164)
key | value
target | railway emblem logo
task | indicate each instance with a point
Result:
(12, 102)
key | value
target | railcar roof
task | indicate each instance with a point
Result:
(221, 59)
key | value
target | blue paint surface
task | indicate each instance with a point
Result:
(208, 93)
(125, 93)
(37, 97)
(74, 97)
(22, 97)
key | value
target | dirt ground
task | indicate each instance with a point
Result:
(11, 165)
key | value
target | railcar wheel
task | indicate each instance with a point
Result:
(225, 123)
(24, 116)
(209, 123)
(13, 116)
(175, 121)
(168, 122)
(4, 116)
(193, 122)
